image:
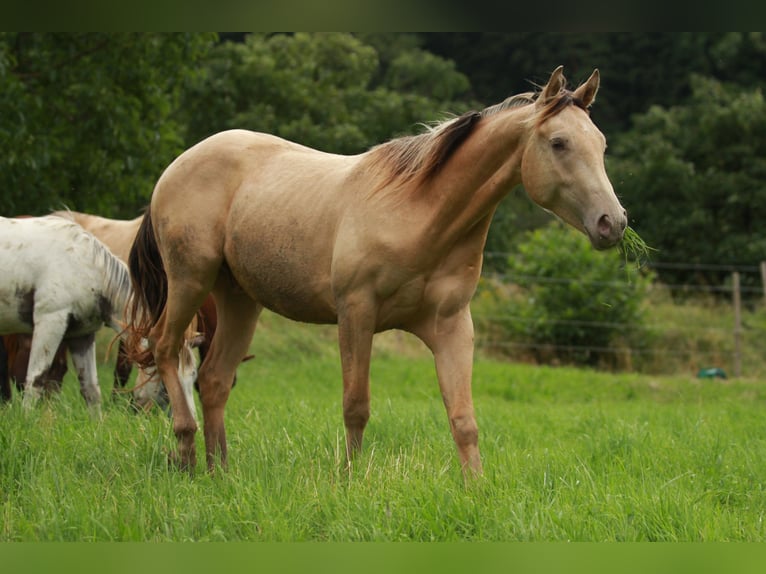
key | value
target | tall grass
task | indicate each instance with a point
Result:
(569, 455)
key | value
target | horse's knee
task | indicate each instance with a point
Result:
(464, 430)
(213, 388)
(356, 412)
(184, 427)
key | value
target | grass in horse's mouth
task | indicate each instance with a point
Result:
(633, 248)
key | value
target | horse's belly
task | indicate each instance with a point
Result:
(290, 290)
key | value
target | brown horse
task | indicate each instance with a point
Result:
(388, 239)
(16, 349)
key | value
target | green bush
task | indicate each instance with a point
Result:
(566, 301)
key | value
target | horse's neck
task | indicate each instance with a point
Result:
(466, 192)
(118, 292)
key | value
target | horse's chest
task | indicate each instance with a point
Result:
(87, 317)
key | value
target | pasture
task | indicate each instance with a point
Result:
(569, 455)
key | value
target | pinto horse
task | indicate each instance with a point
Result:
(59, 283)
(63, 284)
(388, 239)
(118, 235)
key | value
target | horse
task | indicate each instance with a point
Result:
(391, 238)
(62, 285)
(14, 353)
(5, 386)
(118, 235)
(59, 283)
(16, 349)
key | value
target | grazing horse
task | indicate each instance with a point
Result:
(17, 348)
(388, 239)
(63, 284)
(118, 235)
(59, 283)
(5, 386)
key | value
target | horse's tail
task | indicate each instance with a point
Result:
(150, 291)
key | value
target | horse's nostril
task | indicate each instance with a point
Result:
(604, 226)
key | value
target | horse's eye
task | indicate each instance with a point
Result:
(558, 144)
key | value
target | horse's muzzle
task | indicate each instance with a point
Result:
(610, 230)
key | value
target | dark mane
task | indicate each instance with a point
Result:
(422, 156)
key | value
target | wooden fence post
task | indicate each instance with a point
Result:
(737, 300)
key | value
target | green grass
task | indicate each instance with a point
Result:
(568, 454)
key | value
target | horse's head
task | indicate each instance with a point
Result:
(563, 169)
(149, 389)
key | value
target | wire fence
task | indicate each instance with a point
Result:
(732, 293)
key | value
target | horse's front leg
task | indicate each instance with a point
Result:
(356, 322)
(451, 341)
(49, 329)
(83, 351)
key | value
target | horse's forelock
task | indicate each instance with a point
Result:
(564, 99)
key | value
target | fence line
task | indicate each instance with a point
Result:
(736, 331)
(681, 266)
(518, 278)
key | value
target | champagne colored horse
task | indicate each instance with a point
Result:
(388, 239)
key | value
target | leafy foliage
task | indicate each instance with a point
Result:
(88, 118)
(693, 175)
(333, 92)
(571, 297)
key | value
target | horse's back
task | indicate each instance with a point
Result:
(247, 199)
(212, 172)
(48, 265)
(116, 234)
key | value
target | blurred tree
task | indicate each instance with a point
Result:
(638, 69)
(693, 176)
(334, 92)
(88, 119)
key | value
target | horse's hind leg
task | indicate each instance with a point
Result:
(83, 351)
(237, 317)
(184, 298)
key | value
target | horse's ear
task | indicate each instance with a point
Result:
(587, 92)
(555, 84)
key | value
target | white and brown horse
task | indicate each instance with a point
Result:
(388, 239)
(118, 235)
(60, 285)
